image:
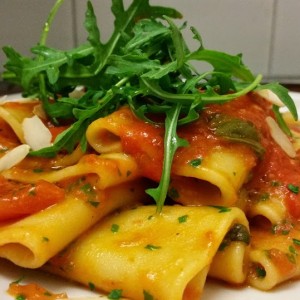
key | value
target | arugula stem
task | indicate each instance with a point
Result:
(171, 143)
(49, 21)
(109, 94)
(43, 39)
(188, 99)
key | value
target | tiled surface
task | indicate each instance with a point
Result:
(234, 26)
(267, 32)
(104, 18)
(21, 23)
(286, 43)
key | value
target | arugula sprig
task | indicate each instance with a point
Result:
(145, 64)
(172, 143)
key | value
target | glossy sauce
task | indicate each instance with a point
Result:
(22, 199)
(272, 173)
(33, 291)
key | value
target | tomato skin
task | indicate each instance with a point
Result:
(22, 199)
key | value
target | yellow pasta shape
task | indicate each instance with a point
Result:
(14, 113)
(31, 241)
(273, 258)
(218, 178)
(272, 209)
(112, 169)
(141, 252)
(231, 264)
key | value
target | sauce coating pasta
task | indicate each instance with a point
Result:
(154, 176)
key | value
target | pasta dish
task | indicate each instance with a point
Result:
(130, 172)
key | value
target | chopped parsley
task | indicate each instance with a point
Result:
(147, 296)
(296, 242)
(237, 233)
(222, 209)
(87, 189)
(293, 250)
(260, 272)
(45, 239)
(94, 203)
(115, 294)
(293, 188)
(92, 286)
(195, 162)
(152, 247)
(264, 197)
(182, 219)
(115, 228)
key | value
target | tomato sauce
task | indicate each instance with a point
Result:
(273, 173)
(33, 291)
(22, 199)
(146, 143)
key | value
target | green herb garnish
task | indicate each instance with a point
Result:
(183, 219)
(147, 296)
(152, 247)
(145, 64)
(237, 233)
(260, 272)
(115, 294)
(195, 162)
(115, 228)
(293, 188)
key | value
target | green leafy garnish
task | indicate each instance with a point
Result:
(152, 247)
(293, 188)
(115, 294)
(145, 64)
(237, 233)
(183, 219)
(171, 143)
(260, 271)
(237, 130)
(195, 162)
(222, 209)
(147, 295)
(115, 228)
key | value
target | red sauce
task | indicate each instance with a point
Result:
(33, 291)
(145, 143)
(21, 199)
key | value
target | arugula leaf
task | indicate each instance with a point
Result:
(145, 64)
(282, 94)
(237, 130)
(224, 62)
(171, 143)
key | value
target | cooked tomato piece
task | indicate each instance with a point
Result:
(21, 199)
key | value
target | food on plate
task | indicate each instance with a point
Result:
(128, 170)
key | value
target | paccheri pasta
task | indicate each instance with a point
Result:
(155, 176)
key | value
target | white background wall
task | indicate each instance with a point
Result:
(267, 32)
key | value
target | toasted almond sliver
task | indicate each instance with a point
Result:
(36, 134)
(270, 96)
(280, 137)
(13, 157)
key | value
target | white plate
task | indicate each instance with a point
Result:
(213, 290)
